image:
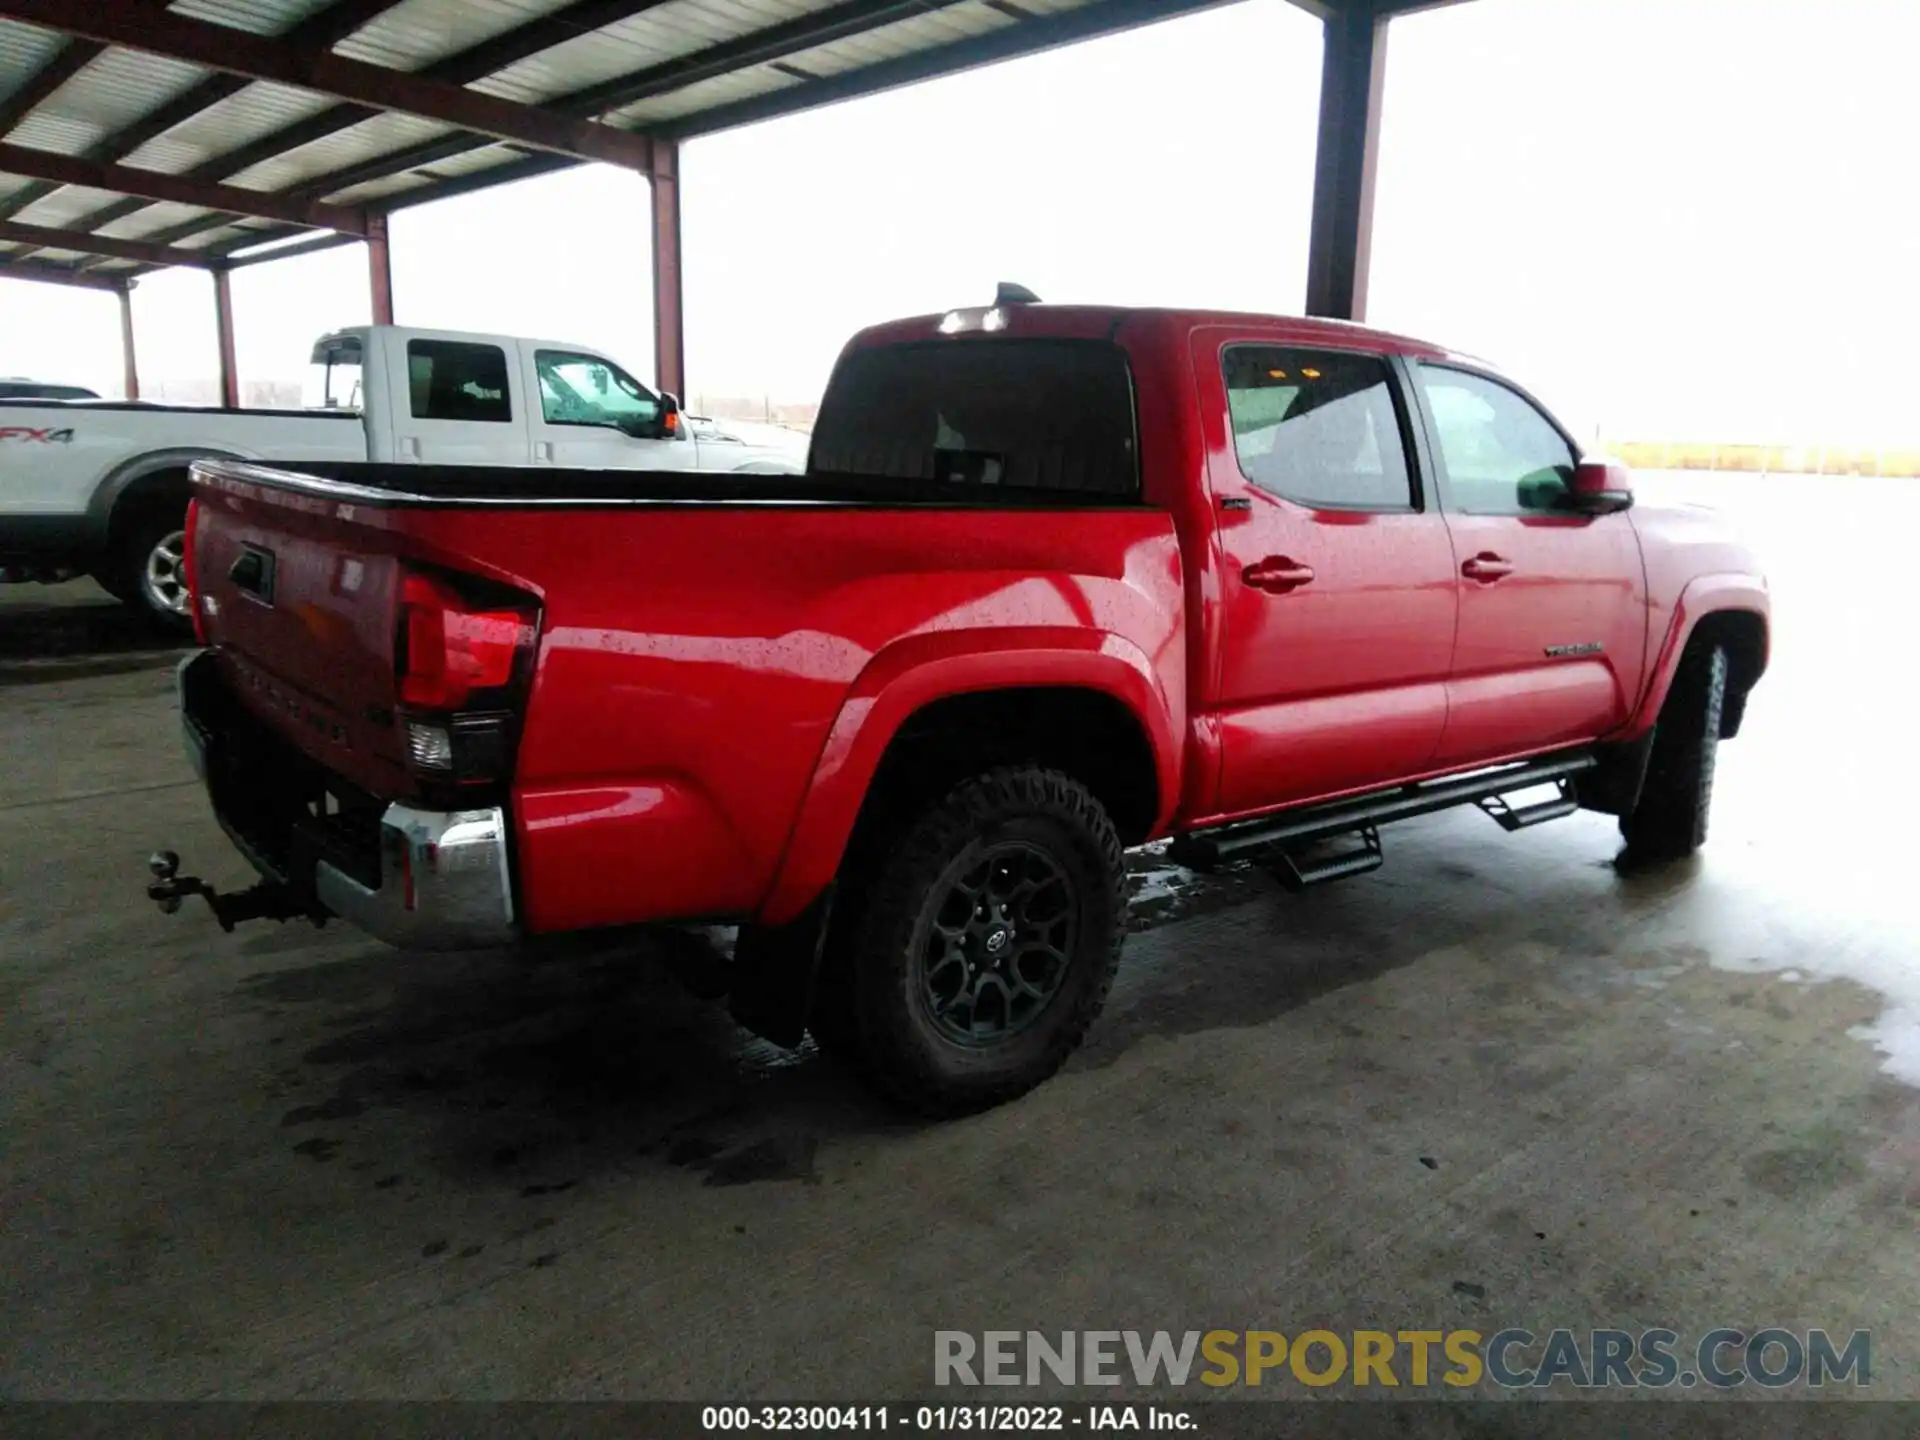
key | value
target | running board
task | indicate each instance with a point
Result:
(1297, 873)
(1510, 819)
(1209, 849)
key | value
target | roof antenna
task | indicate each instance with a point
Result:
(1012, 294)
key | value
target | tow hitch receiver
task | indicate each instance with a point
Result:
(262, 901)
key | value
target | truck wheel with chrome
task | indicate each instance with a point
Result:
(1670, 820)
(148, 567)
(984, 944)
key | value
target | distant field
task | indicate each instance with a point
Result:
(1768, 459)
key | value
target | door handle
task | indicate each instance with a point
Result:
(1487, 567)
(543, 450)
(1277, 574)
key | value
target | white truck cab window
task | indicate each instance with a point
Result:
(586, 390)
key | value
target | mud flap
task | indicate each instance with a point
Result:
(775, 971)
(1613, 786)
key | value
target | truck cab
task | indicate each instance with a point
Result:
(444, 397)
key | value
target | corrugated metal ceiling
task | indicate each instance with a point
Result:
(99, 109)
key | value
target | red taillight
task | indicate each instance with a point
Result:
(192, 574)
(450, 649)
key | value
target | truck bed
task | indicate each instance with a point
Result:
(698, 638)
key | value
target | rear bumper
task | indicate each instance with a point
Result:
(417, 879)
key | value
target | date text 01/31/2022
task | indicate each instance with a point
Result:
(940, 1419)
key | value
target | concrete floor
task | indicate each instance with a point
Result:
(1497, 1083)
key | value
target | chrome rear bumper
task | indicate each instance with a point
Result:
(443, 878)
(444, 883)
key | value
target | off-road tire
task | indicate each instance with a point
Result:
(1670, 820)
(870, 1006)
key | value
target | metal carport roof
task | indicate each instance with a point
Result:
(136, 135)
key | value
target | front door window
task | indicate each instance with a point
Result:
(586, 390)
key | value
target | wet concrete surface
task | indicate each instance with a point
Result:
(76, 629)
(1497, 1083)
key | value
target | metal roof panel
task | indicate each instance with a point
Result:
(152, 219)
(256, 17)
(374, 136)
(24, 49)
(721, 90)
(60, 208)
(415, 33)
(381, 189)
(673, 30)
(238, 120)
(110, 94)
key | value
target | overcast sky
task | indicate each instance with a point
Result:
(1671, 218)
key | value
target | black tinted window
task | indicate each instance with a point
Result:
(1034, 414)
(1318, 427)
(453, 380)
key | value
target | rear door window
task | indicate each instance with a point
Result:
(1318, 427)
(458, 380)
(1046, 415)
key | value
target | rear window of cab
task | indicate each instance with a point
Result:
(1053, 416)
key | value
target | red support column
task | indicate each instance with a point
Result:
(379, 269)
(223, 324)
(669, 326)
(130, 364)
(1352, 77)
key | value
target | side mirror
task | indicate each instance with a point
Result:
(1600, 487)
(669, 421)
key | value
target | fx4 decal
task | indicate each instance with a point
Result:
(30, 435)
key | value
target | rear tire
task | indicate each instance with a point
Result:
(984, 945)
(148, 570)
(1670, 820)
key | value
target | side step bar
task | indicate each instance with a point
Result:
(1208, 849)
(1297, 872)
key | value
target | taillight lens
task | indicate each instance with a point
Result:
(192, 573)
(463, 664)
(450, 650)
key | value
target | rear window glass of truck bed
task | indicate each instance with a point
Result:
(1033, 415)
(457, 380)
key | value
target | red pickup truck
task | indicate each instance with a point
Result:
(1058, 581)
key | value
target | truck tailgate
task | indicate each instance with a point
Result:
(298, 598)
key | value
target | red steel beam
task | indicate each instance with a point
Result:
(43, 237)
(137, 25)
(669, 325)
(58, 275)
(126, 179)
(130, 381)
(1340, 246)
(223, 330)
(379, 270)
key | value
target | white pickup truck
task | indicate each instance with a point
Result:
(100, 487)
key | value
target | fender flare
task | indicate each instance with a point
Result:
(128, 473)
(920, 669)
(1703, 595)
